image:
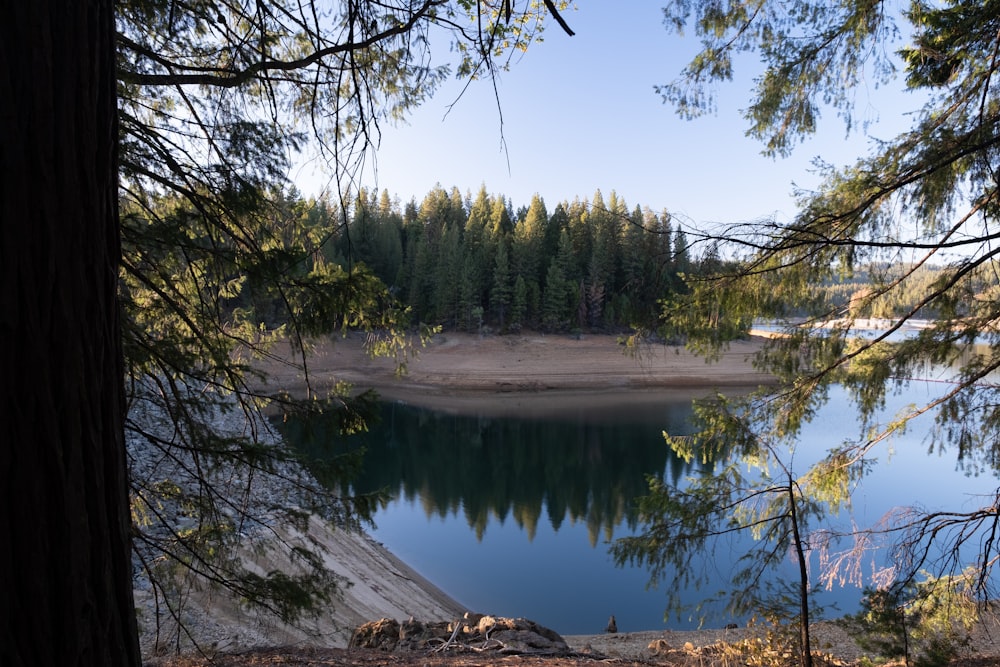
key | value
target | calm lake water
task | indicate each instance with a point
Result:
(513, 515)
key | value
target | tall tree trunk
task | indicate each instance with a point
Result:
(65, 568)
(805, 644)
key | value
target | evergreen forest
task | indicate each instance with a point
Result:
(475, 263)
(478, 264)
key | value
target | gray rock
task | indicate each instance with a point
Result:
(528, 641)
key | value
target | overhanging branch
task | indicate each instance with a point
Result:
(179, 74)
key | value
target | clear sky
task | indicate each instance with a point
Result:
(580, 114)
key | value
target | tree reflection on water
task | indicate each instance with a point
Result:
(576, 468)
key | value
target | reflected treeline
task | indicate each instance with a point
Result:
(568, 469)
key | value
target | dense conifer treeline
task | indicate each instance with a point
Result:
(469, 263)
(477, 264)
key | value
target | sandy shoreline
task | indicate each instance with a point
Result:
(518, 373)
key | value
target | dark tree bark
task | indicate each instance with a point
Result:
(805, 644)
(65, 571)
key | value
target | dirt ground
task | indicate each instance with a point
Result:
(674, 649)
(516, 373)
(639, 653)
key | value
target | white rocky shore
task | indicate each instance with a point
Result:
(371, 582)
(375, 585)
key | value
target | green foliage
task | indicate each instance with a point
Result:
(814, 54)
(927, 622)
(519, 307)
(903, 234)
(748, 489)
(502, 292)
(609, 269)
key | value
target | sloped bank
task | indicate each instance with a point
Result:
(373, 584)
(181, 612)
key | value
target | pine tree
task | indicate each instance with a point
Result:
(558, 297)
(502, 292)
(528, 240)
(451, 273)
(519, 307)
(554, 299)
(528, 253)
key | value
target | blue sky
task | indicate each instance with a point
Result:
(580, 114)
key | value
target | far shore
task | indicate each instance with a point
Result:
(520, 373)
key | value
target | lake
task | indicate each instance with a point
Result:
(511, 511)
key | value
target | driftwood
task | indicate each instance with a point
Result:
(474, 633)
(451, 640)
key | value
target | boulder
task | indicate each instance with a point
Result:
(491, 625)
(528, 641)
